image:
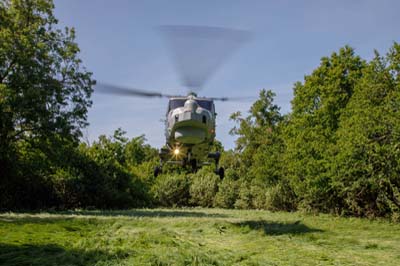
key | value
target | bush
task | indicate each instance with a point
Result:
(228, 192)
(203, 187)
(255, 194)
(280, 198)
(257, 190)
(244, 196)
(67, 188)
(171, 190)
(251, 195)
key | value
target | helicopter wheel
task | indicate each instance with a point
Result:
(193, 164)
(221, 172)
(157, 171)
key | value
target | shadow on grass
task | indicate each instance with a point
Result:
(56, 216)
(50, 254)
(147, 213)
(276, 228)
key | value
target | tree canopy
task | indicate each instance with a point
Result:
(44, 89)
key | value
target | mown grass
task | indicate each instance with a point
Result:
(195, 237)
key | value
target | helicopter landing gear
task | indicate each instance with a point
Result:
(193, 165)
(157, 171)
(219, 171)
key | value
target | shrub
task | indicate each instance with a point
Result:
(251, 195)
(227, 194)
(171, 190)
(257, 191)
(244, 196)
(67, 188)
(280, 198)
(203, 187)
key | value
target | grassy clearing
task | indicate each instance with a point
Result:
(195, 237)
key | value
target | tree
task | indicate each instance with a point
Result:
(44, 94)
(110, 181)
(261, 149)
(137, 152)
(44, 91)
(317, 107)
(367, 155)
(257, 132)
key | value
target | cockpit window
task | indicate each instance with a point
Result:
(175, 103)
(205, 104)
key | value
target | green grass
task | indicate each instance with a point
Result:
(195, 237)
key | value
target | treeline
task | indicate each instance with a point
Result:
(67, 175)
(337, 151)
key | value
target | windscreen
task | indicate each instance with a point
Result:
(175, 103)
(205, 104)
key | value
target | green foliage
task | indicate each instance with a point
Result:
(257, 129)
(44, 91)
(280, 197)
(203, 187)
(368, 165)
(137, 151)
(228, 190)
(337, 151)
(171, 190)
(260, 151)
(310, 134)
(93, 177)
(245, 197)
(44, 97)
(110, 182)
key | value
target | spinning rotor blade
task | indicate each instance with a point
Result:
(232, 99)
(112, 89)
(198, 51)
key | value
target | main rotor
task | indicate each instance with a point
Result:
(198, 52)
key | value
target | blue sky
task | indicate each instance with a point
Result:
(120, 45)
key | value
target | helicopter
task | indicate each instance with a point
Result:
(190, 120)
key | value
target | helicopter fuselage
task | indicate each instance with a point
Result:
(190, 130)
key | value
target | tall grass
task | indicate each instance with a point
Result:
(195, 237)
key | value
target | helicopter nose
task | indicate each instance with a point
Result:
(190, 106)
